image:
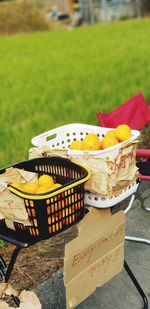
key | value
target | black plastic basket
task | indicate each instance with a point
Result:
(52, 212)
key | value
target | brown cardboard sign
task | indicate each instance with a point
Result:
(94, 276)
(95, 256)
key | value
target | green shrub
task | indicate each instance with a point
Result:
(3, 244)
(21, 17)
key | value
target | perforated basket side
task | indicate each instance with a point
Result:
(54, 166)
(62, 137)
(50, 214)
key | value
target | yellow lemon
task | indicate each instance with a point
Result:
(109, 141)
(123, 132)
(92, 142)
(55, 186)
(92, 146)
(76, 145)
(111, 133)
(17, 185)
(42, 189)
(91, 138)
(30, 187)
(45, 180)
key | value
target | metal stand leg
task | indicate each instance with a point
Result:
(5, 271)
(19, 241)
(138, 239)
(137, 285)
(131, 238)
(16, 300)
(11, 263)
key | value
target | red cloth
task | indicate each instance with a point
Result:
(135, 112)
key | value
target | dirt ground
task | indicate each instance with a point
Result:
(37, 263)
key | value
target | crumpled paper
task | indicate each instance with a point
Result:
(38, 152)
(17, 175)
(109, 176)
(28, 299)
(11, 206)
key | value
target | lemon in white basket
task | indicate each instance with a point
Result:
(76, 145)
(46, 181)
(111, 133)
(92, 142)
(123, 132)
(109, 141)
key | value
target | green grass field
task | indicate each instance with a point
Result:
(54, 78)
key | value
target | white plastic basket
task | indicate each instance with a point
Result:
(62, 137)
(101, 201)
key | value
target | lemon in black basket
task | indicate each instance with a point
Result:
(42, 189)
(17, 185)
(55, 186)
(45, 181)
(30, 187)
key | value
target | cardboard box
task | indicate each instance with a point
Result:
(95, 256)
(93, 252)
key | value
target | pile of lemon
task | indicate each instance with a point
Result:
(44, 184)
(112, 137)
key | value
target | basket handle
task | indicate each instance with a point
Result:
(44, 138)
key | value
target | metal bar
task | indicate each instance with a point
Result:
(145, 208)
(16, 300)
(2, 268)
(5, 271)
(138, 239)
(143, 153)
(145, 200)
(2, 263)
(144, 177)
(131, 238)
(2, 274)
(137, 285)
(11, 263)
(130, 204)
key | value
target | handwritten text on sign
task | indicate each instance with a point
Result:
(105, 261)
(89, 252)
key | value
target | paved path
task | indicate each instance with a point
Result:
(119, 293)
